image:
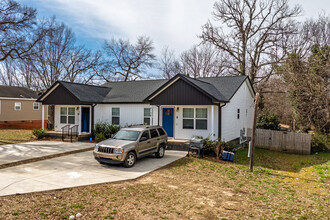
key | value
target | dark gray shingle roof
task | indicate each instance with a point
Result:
(226, 85)
(17, 92)
(221, 88)
(208, 88)
(132, 91)
(87, 93)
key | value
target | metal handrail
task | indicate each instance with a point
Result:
(65, 131)
(74, 131)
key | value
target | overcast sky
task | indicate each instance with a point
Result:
(173, 23)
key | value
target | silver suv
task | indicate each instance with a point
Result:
(131, 143)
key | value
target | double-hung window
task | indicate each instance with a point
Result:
(35, 106)
(238, 113)
(195, 118)
(201, 118)
(115, 116)
(68, 115)
(17, 106)
(147, 116)
(188, 118)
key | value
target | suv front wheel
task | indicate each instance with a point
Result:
(161, 151)
(130, 160)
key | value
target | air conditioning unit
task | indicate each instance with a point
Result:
(242, 136)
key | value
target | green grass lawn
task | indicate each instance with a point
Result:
(11, 136)
(282, 186)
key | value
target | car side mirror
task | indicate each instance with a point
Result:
(143, 139)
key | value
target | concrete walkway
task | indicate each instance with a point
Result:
(74, 170)
(10, 153)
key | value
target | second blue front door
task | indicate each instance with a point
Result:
(85, 119)
(168, 119)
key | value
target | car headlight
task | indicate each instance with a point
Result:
(96, 147)
(118, 150)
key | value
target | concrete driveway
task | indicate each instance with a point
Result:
(23, 151)
(74, 170)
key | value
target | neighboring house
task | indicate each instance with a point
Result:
(185, 107)
(19, 109)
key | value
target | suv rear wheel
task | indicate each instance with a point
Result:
(130, 160)
(161, 151)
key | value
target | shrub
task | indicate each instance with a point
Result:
(99, 137)
(268, 120)
(106, 129)
(320, 143)
(39, 133)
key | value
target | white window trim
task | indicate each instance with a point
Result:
(115, 116)
(150, 117)
(67, 115)
(201, 119)
(195, 119)
(20, 106)
(33, 106)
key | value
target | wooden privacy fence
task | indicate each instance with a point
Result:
(292, 142)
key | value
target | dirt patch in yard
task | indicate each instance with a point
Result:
(187, 189)
(12, 136)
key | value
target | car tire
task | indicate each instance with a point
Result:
(161, 152)
(130, 160)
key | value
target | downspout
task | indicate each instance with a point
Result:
(158, 114)
(93, 135)
(220, 121)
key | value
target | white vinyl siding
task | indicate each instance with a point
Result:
(74, 119)
(233, 117)
(130, 114)
(181, 133)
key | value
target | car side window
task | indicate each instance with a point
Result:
(161, 131)
(153, 133)
(145, 135)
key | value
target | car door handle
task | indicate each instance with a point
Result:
(148, 142)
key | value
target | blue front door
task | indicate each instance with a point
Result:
(168, 118)
(85, 119)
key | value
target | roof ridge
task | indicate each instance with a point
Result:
(144, 80)
(197, 80)
(17, 87)
(60, 81)
(221, 77)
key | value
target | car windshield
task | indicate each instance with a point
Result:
(127, 135)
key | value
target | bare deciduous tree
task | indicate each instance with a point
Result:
(50, 53)
(8, 74)
(81, 65)
(125, 61)
(311, 32)
(252, 32)
(169, 65)
(202, 61)
(18, 30)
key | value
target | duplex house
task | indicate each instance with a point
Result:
(19, 109)
(219, 107)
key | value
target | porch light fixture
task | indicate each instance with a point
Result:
(177, 109)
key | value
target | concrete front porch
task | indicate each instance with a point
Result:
(58, 135)
(177, 144)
